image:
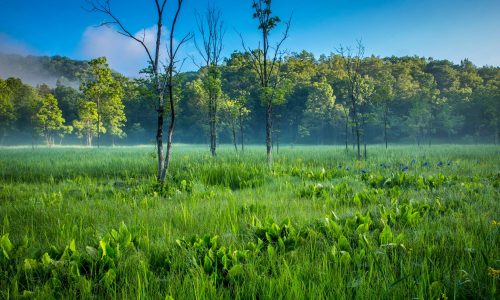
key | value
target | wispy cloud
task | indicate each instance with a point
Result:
(124, 54)
(10, 45)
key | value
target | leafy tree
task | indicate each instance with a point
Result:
(239, 82)
(366, 89)
(486, 103)
(63, 131)
(99, 86)
(320, 105)
(448, 121)
(299, 69)
(86, 125)
(343, 111)
(26, 102)
(352, 66)
(7, 112)
(230, 113)
(421, 114)
(48, 119)
(198, 106)
(383, 97)
(68, 99)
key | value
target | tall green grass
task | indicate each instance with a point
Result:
(408, 222)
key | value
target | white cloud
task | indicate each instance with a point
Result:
(124, 54)
(11, 46)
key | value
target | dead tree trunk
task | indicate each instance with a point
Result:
(158, 80)
(265, 61)
(211, 29)
(241, 130)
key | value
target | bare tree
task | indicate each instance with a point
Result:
(352, 64)
(211, 30)
(266, 61)
(163, 82)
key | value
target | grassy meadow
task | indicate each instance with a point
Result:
(408, 223)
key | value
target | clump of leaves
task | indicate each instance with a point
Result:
(223, 265)
(277, 237)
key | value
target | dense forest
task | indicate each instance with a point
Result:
(401, 99)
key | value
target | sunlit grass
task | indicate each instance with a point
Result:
(318, 225)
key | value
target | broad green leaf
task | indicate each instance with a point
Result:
(102, 245)
(344, 244)
(236, 270)
(46, 260)
(29, 264)
(6, 245)
(386, 235)
(91, 251)
(72, 246)
(207, 264)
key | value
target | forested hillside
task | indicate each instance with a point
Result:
(401, 99)
(35, 70)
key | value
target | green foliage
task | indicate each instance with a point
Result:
(86, 125)
(223, 265)
(7, 113)
(319, 107)
(48, 119)
(400, 99)
(99, 86)
(318, 217)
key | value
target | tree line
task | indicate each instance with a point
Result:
(401, 99)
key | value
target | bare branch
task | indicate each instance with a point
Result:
(255, 58)
(105, 8)
(278, 45)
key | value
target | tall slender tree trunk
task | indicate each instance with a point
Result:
(353, 137)
(269, 128)
(385, 129)
(171, 127)
(420, 135)
(358, 141)
(98, 123)
(356, 123)
(269, 109)
(4, 133)
(215, 124)
(159, 133)
(210, 143)
(278, 141)
(212, 120)
(497, 135)
(233, 127)
(32, 136)
(346, 133)
(430, 136)
(241, 132)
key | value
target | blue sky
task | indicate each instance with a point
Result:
(432, 28)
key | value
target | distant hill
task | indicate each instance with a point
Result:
(36, 70)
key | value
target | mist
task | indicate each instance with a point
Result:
(37, 70)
